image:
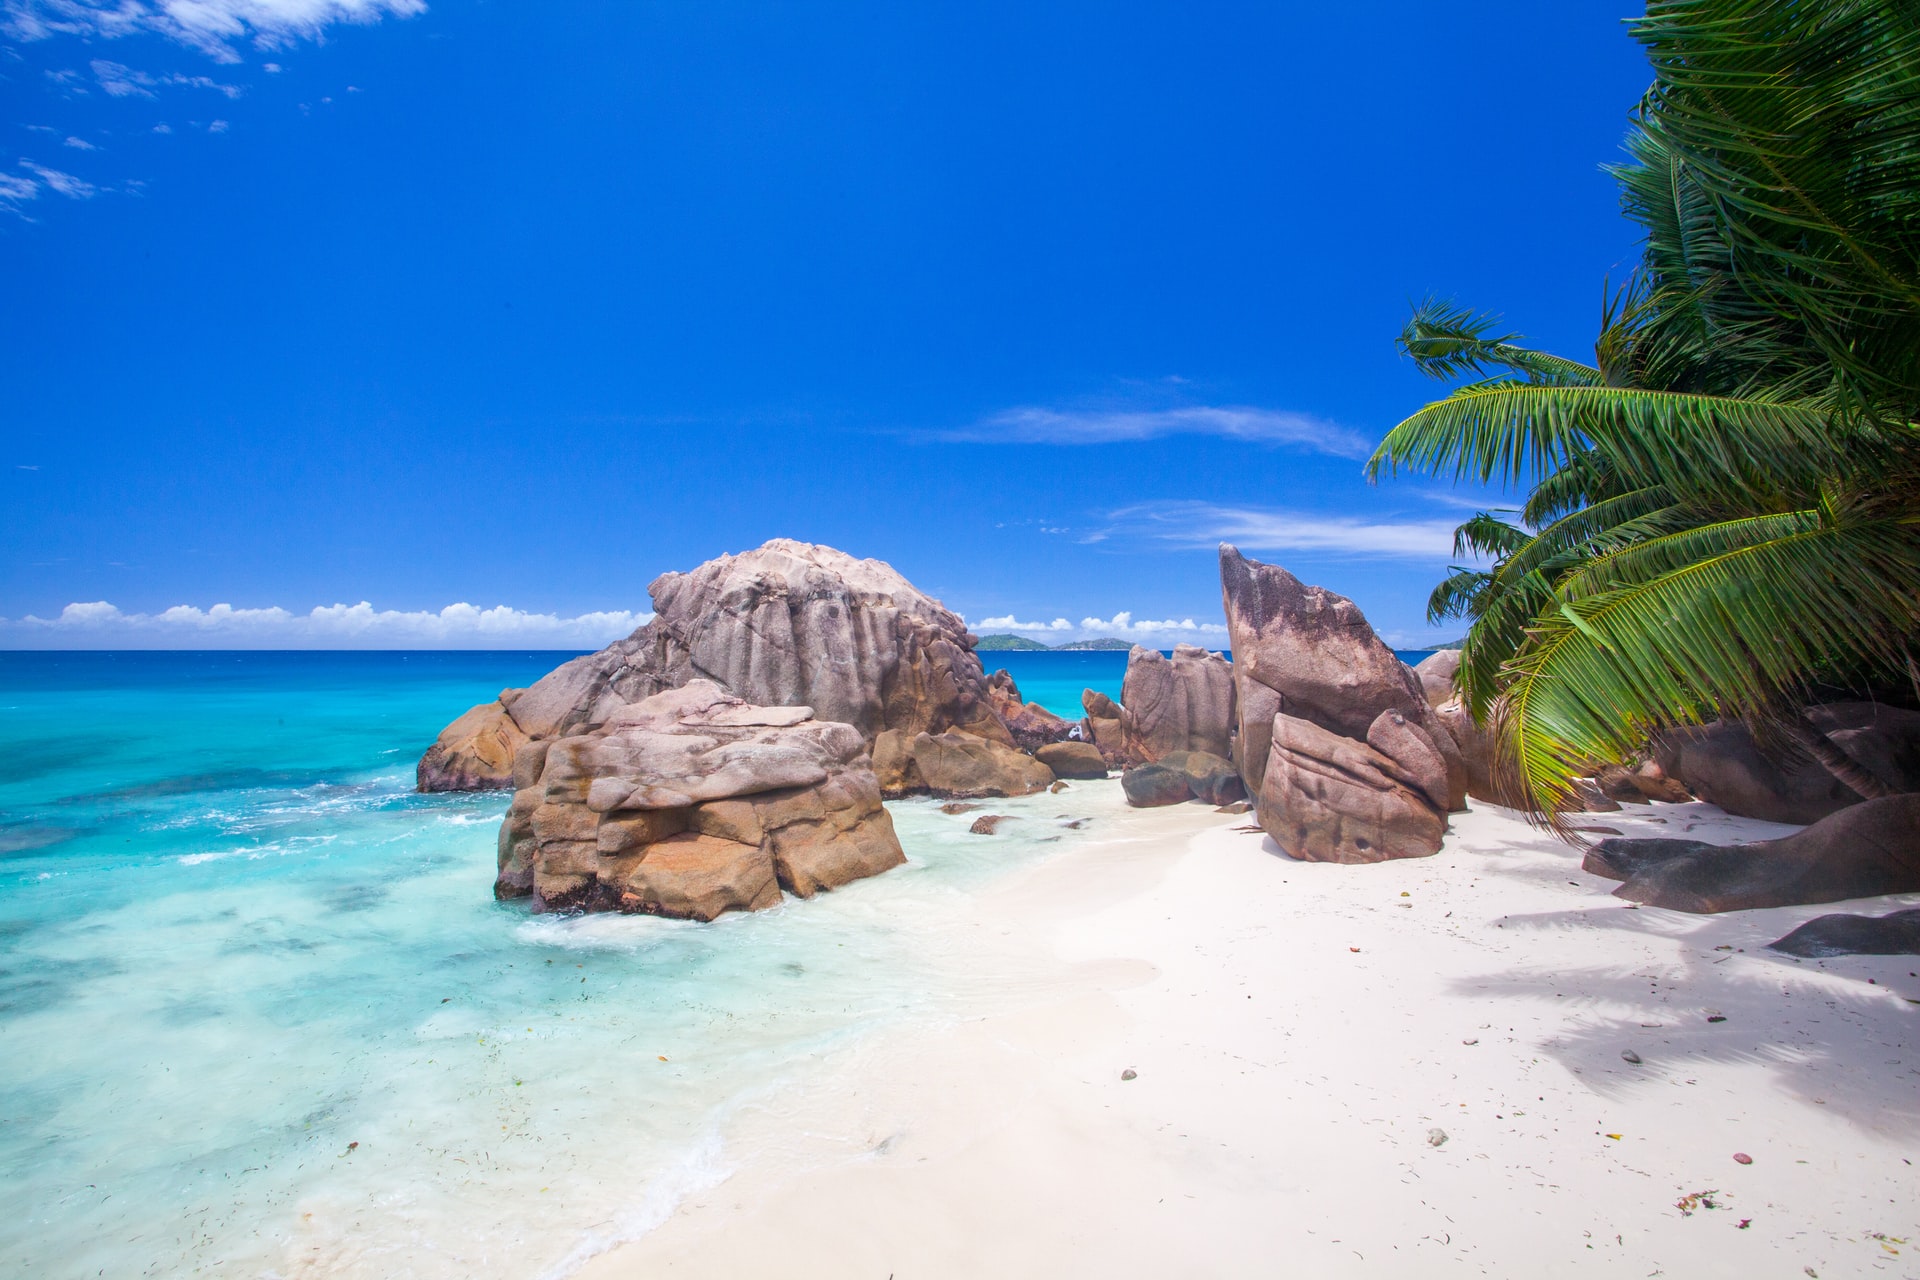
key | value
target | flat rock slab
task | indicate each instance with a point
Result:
(1625, 857)
(1897, 934)
(1863, 851)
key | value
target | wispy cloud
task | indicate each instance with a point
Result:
(16, 191)
(1039, 425)
(65, 183)
(117, 80)
(1202, 524)
(100, 625)
(212, 26)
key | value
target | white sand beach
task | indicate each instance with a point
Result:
(1298, 1033)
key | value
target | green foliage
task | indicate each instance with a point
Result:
(1724, 508)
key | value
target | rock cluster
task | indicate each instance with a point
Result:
(690, 803)
(787, 624)
(1346, 758)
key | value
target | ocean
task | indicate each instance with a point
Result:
(261, 1016)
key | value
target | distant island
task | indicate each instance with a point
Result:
(1002, 643)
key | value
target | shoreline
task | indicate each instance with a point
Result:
(1287, 1083)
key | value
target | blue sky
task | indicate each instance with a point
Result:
(323, 302)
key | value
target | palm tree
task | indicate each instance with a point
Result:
(1723, 509)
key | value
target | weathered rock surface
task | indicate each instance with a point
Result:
(1329, 798)
(475, 752)
(690, 803)
(1862, 851)
(1105, 726)
(1721, 764)
(1476, 753)
(1150, 786)
(1180, 776)
(964, 767)
(1435, 673)
(1883, 739)
(786, 624)
(1073, 760)
(1897, 934)
(1032, 725)
(1346, 759)
(1312, 647)
(1182, 703)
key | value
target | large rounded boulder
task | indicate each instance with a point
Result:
(786, 624)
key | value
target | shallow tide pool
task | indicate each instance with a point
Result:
(260, 1014)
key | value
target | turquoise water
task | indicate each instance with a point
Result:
(260, 1014)
(1055, 680)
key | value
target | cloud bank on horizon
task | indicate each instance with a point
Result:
(1121, 626)
(100, 625)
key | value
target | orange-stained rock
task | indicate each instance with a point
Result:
(961, 766)
(474, 753)
(689, 877)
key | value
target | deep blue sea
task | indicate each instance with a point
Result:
(260, 1015)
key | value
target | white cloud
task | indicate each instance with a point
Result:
(1123, 625)
(1202, 524)
(1011, 623)
(1155, 632)
(211, 26)
(100, 625)
(1035, 425)
(81, 144)
(218, 126)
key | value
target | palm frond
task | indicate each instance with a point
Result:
(1447, 340)
(1516, 432)
(1457, 594)
(1735, 633)
(1486, 535)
